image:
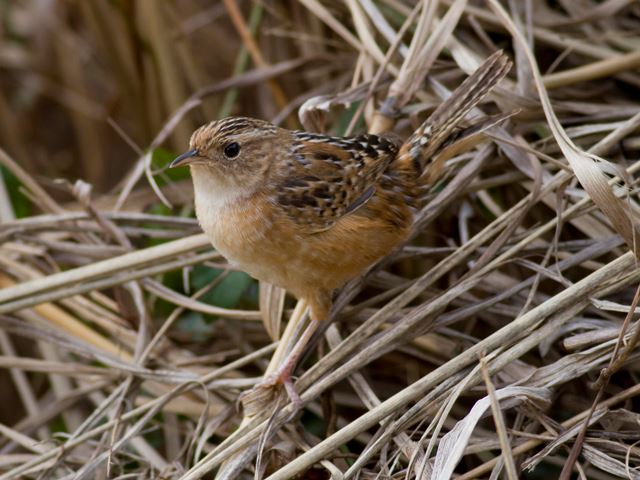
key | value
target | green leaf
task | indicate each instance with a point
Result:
(230, 290)
(21, 205)
(194, 326)
(228, 293)
(202, 276)
(344, 119)
(161, 158)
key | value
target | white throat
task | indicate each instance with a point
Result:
(210, 192)
(221, 208)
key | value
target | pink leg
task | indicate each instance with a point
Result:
(283, 374)
(320, 305)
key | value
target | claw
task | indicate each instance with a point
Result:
(266, 392)
(283, 377)
(287, 381)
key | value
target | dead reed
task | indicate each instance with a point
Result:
(501, 341)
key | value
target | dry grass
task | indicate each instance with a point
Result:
(500, 341)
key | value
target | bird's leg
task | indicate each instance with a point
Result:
(319, 305)
(284, 373)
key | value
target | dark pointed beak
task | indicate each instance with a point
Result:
(184, 159)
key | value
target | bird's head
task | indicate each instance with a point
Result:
(235, 152)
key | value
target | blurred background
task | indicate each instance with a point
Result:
(109, 91)
(84, 84)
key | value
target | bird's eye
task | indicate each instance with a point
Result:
(232, 150)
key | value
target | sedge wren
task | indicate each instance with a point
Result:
(308, 212)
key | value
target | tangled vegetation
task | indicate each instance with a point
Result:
(500, 340)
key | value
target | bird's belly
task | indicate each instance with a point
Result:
(271, 249)
(245, 237)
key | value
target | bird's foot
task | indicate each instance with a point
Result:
(266, 392)
(283, 377)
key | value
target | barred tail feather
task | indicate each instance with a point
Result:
(420, 151)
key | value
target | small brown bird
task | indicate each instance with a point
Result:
(308, 212)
